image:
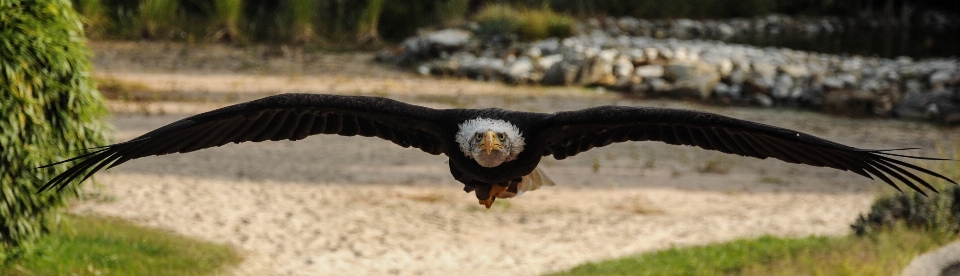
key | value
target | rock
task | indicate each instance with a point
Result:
(432, 44)
(658, 84)
(546, 62)
(738, 76)
(913, 86)
(782, 87)
(649, 71)
(849, 80)
(938, 105)
(833, 83)
(724, 67)
(423, 70)
(563, 72)
(533, 52)
(626, 83)
(622, 67)
(692, 78)
(549, 46)
(519, 71)
(943, 261)
(794, 70)
(764, 70)
(652, 53)
(596, 71)
(722, 90)
(938, 78)
(763, 100)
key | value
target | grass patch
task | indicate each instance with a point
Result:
(97, 245)
(881, 254)
(528, 24)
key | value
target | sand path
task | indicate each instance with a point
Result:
(361, 206)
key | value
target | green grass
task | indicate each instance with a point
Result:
(97, 246)
(528, 24)
(881, 254)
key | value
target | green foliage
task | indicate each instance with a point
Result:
(527, 24)
(880, 254)
(938, 213)
(158, 18)
(95, 18)
(51, 111)
(226, 16)
(302, 14)
(95, 245)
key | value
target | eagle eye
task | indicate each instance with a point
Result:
(502, 136)
(479, 136)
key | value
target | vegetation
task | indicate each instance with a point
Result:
(937, 212)
(52, 111)
(343, 22)
(898, 228)
(884, 253)
(528, 24)
(95, 245)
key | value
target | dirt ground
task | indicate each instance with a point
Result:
(363, 206)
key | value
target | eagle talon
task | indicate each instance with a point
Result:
(497, 190)
(488, 202)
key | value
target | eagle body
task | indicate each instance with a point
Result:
(493, 152)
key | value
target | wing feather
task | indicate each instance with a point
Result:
(569, 133)
(280, 117)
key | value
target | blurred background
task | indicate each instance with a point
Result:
(867, 73)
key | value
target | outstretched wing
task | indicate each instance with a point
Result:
(570, 133)
(280, 117)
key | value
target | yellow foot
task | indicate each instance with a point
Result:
(497, 190)
(488, 202)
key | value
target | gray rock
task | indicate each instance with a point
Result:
(649, 71)
(764, 70)
(913, 86)
(519, 71)
(938, 78)
(658, 84)
(439, 41)
(763, 100)
(563, 72)
(849, 80)
(794, 70)
(782, 87)
(622, 67)
(833, 83)
(596, 71)
(944, 261)
(546, 62)
(692, 78)
(937, 105)
(738, 76)
(549, 46)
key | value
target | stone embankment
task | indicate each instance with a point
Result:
(616, 59)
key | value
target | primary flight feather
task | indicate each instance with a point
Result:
(493, 152)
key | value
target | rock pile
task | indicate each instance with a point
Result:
(709, 70)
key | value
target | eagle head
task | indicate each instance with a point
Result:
(490, 142)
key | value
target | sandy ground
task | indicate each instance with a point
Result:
(361, 206)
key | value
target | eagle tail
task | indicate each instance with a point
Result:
(530, 182)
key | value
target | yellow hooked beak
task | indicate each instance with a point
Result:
(490, 142)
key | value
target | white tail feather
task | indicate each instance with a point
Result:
(531, 182)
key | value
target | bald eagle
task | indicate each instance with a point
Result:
(493, 152)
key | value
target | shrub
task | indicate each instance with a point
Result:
(226, 16)
(158, 17)
(52, 111)
(940, 212)
(528, 24)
